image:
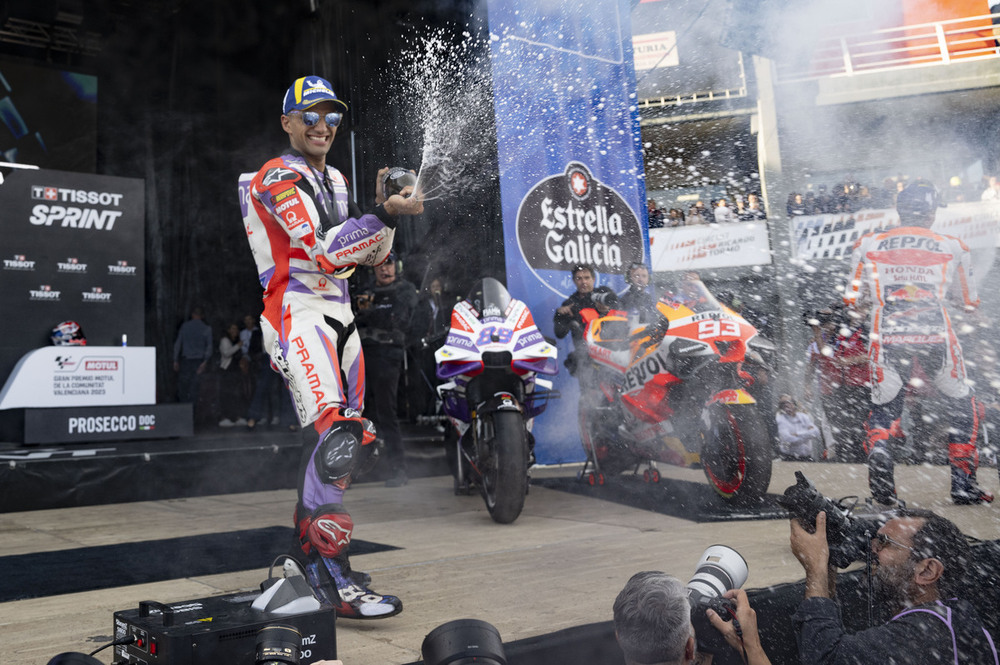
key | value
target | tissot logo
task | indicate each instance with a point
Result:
(572, 219)
(18, 262)
(65, 195)
(121, 268)
(44, 292)
(71, 265)
(96, 294)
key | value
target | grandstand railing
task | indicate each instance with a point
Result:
(918, 45)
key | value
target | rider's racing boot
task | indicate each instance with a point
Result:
(964, 459)
(324, 538)
(347, 592)
(964, 489)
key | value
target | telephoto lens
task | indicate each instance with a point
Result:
(278, 645)
(396, 179)
(463, 642)
(720, 569)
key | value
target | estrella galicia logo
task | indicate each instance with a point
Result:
(571, 219)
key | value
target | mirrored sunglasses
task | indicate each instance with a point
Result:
(310, 118)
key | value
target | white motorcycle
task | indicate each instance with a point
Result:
(490, 362)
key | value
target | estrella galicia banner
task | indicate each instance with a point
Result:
(73, 250)
(571, 173)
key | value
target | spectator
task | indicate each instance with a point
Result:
(652, 617)
(798, 436)
(384, 316)
(754, 212)
(796, 205)
(992, 192)
(741, 207)
(695, 216)
(723, 214)
(675, 217)
(921, 560)
(638, 300)
(431, 320)
(270, 402)
(810, 203)
(822, 200)
(192, 349)
(655, 215)
(232, 403)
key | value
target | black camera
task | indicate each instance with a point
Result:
(719, 570)
(278, 645)
(849, 536)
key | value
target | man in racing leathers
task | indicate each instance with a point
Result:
(307, 236)
(907, 273)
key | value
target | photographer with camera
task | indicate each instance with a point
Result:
(660, 621)
(583, 306)
(917, 560)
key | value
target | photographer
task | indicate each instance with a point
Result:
(652, 616)
(918, 562)
(584, 305)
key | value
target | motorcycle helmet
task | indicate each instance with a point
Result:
(68, 333)
(917, 203)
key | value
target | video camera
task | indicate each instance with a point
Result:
(719, 570)
(849, 536)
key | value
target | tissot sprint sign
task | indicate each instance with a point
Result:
(73, 250)
(569, 154)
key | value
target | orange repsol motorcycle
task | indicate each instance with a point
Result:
(675, 391)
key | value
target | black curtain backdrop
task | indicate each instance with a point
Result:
(189, 97)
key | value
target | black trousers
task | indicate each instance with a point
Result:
(383, 365)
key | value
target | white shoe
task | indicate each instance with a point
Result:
(240, 422)
(226, 422)
(275, 420)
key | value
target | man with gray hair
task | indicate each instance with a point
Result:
(653, 620)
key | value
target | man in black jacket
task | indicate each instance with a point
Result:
(384, 318)
(919, 561)
(584, 305)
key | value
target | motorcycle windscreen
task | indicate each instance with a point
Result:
(489, 298)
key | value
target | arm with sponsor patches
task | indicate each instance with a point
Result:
(338, 245)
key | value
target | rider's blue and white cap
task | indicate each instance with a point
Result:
(309, 91)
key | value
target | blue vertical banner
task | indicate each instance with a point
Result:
(571, 172)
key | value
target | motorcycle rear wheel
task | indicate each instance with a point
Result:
(505, 469)
(736, 453)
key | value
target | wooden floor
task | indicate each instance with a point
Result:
(559, 565)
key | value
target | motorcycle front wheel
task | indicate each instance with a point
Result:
(736, 453)
(505, 467)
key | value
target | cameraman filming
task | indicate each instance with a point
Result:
(918, 562)
(652, 616)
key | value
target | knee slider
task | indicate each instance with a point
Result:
(338, 452)
(328, 529)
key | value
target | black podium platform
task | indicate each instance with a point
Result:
(212, 461)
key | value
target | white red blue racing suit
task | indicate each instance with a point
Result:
(907, 273)
(307, 235)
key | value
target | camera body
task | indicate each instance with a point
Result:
(719, 570)
(849, 536)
